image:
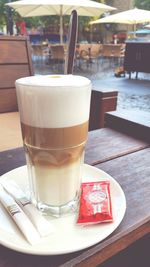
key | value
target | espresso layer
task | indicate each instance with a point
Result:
(54, 138)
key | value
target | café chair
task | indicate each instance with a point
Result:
(57, 56)
(95, 53)
(40, 52)
(113, 53)
(82, 55)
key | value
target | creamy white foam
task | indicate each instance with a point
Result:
(53, 101)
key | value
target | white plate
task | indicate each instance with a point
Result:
(67, 236)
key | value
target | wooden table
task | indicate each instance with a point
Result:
(127, 160)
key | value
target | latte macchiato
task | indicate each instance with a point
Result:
(54, 114)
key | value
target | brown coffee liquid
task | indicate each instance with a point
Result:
(54, 147)
(55, 137)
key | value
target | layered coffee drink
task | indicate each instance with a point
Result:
(54, 114)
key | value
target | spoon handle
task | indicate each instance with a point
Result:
(72, 37)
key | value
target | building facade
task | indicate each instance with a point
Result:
(123, 5)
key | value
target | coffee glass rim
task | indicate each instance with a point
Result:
(36, 82)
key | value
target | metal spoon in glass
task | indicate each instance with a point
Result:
(72, 38)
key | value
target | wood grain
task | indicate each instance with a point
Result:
(106, 144)
(15, 62)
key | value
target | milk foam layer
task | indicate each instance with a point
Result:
(51, 101)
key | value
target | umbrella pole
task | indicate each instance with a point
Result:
(134, 30)
(61, 24)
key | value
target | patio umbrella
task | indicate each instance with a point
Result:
(142, 31)
(147, 26)
(132, 16)
(31, 8)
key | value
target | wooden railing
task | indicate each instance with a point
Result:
(15, 62)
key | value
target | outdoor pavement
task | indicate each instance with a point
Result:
(133, 94)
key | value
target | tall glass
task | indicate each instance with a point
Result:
(54, 114)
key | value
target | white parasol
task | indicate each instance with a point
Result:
(133, 16)
(31, 8)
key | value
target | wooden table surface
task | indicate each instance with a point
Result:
(126, 159)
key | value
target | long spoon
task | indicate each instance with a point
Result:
(72, 38)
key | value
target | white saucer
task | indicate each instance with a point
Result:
(67, 236)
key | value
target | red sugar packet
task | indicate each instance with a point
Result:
(95, 203)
